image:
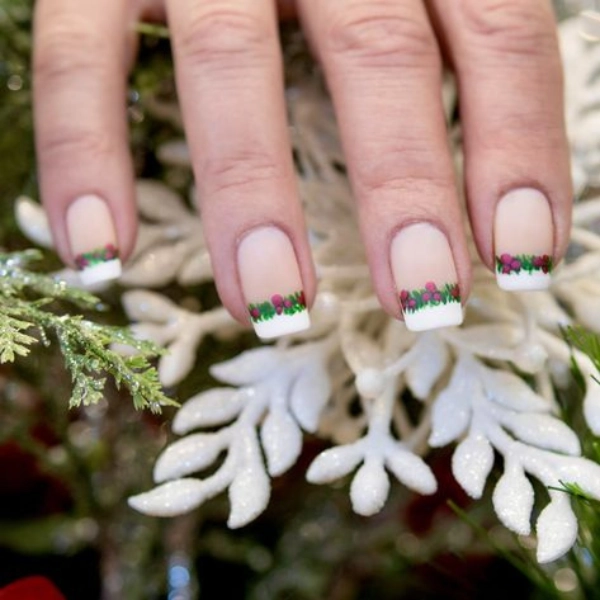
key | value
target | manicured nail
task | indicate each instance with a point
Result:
(425, 276)
(271, 283)
(93, 240)
(523, 241)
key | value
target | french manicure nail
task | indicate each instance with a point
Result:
(523, 241)
(271, 283)
(425, 277)
(93, 240)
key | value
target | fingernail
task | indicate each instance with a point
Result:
(523, 241)
(93, 240)
(271, 283)
(426, 279)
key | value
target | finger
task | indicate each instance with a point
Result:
(383, 69)
(86, 180)
(229, 77)
(517, 175)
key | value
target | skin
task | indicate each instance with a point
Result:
(382, 60)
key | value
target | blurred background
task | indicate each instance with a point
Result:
(65, 474)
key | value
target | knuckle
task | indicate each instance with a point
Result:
(380, 33)
(391, 187)
(245, 169)
(66, 47)
(59, 146)
(509, 26)
(217, 34)
(417, 172)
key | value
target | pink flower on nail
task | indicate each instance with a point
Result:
(287, 303)
(412, 303)
(437, 297)
(426, 297)
(506, 259)
(515, 265)
(430, 286)
(254, 313)
(277, 300)
(110, 251)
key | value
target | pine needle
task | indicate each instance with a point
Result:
(86, 346)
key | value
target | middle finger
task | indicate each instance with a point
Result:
(384, 71)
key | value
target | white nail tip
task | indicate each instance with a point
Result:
(432, 317)
(111, 269)
(282, 325)
(516, 282)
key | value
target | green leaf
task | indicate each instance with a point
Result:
(585, 341)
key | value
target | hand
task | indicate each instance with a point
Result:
(382, 61)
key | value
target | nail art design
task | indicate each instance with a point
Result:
(96, 257)
(278, 305)
(425, 275)
(98, 265)
(523, 264)
(271, 283)
(429, 297)
(93, 240)
(523, 240)
(523, 271)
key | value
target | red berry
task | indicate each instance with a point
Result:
(254, 313)
(279, 309)
(301, 299)
(404, 295)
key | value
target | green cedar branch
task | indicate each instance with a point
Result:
(85, 346)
